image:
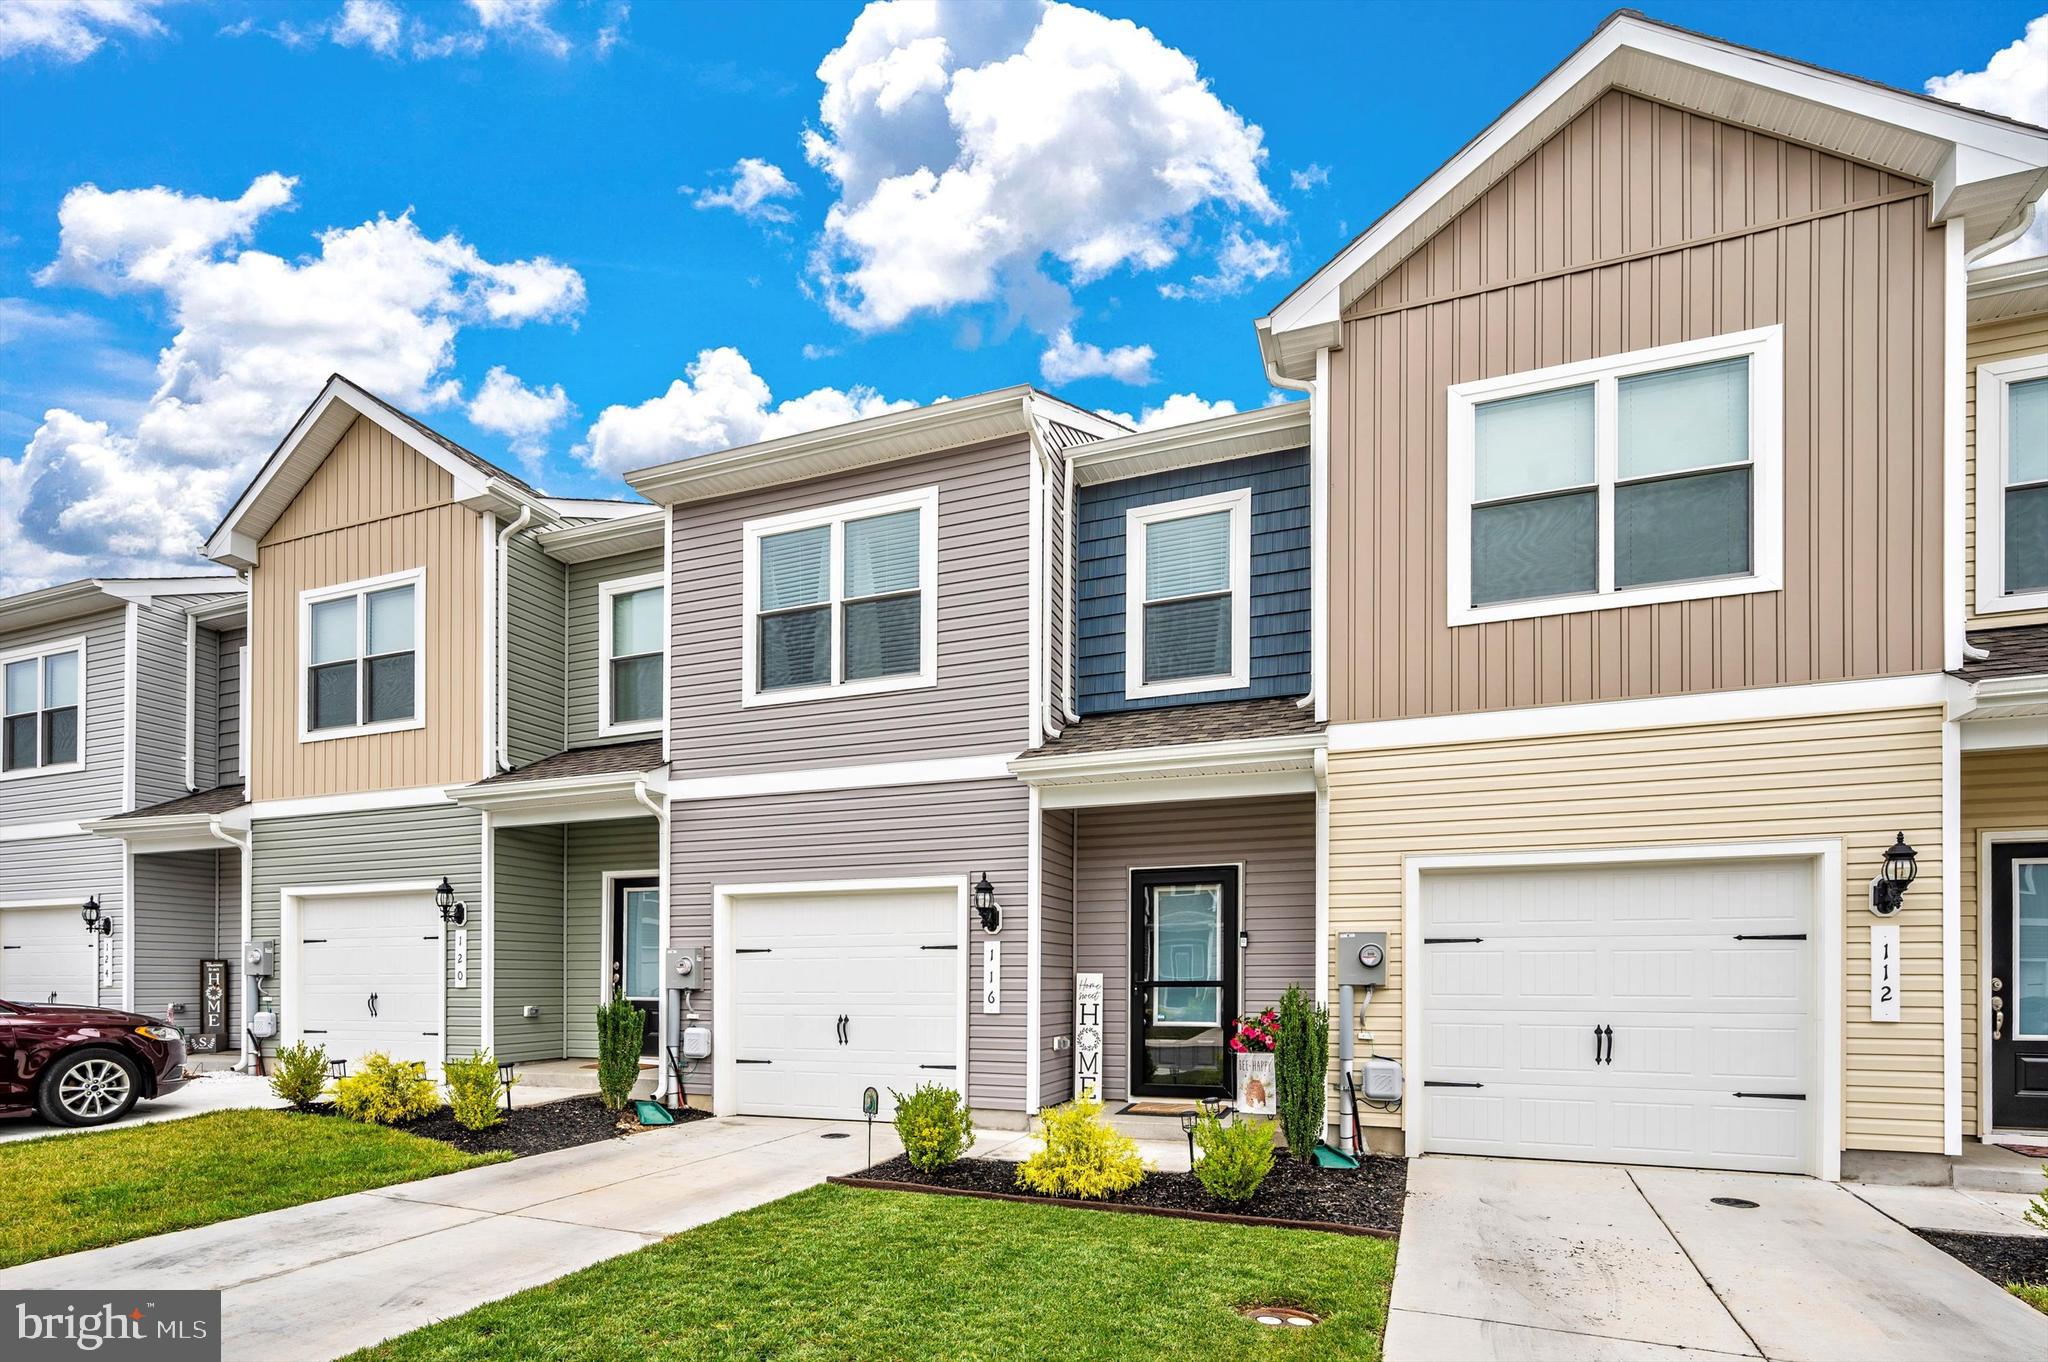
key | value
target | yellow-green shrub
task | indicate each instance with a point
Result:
(473, 1090)
(299, 1074)
(1083, 1156)
(385, 1091)
(933, 1124)
(1235, 1157)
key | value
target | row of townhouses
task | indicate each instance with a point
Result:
(1656, 558)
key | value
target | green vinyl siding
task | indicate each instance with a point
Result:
(630, 844)
(527, 933)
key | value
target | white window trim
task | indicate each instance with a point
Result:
(1239, 503)
(925, 501)
(1994, 381)
(417, 579)
(39, 652)
(626, 586)
(1764, 347)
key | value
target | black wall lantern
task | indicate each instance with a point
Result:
(96, 921)
(1888, 890)
(452, 909)
(985, 904)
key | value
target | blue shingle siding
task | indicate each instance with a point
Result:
(1280, 577)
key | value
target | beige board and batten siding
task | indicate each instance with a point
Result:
(1273, 839)
(2003, 792)
(981, 702)
(585, 581)
(899, 832)
(1858, 777)
(374, 507)
(2011, 338)
(1638, 225)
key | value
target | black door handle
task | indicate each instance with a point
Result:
(1596, 1042)
(1610, 1044)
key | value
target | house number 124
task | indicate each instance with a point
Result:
(1884, 971)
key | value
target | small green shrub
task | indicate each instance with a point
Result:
(933, 1124)
(473, 1090)
(299, 1074)
(1235, 1157)
(1300, 1062)
(1083, 1155)
(621, 1029)
(384, 1091)
(2037, 1209)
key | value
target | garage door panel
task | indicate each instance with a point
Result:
(358, 946)
(46, 955)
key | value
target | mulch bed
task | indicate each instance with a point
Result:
(538, 1129)
(1294, 1195)
(2001, 1257)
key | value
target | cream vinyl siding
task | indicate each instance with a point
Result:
(2001, 791)
(2012, 338)
(321, 542)
(1859, 777)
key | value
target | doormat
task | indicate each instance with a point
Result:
(2032, 1151)
(1157, 1109)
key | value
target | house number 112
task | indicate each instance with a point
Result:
(1884, 971)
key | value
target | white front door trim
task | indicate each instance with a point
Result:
(723, 1070)
(609, 879)
(289, 899)
(1987, 842)
(1826, 932)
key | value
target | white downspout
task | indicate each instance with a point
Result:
(664, 1021)
(1319, 517)
(500, 654)
(219, 832)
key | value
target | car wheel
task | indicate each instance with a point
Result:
(88, 1088)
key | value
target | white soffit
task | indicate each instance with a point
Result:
(1238, 436)
(2018, 288)
(1984, 169)
(72, 600)
(604, 538)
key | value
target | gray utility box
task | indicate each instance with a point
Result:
(1362, 959)
(683, 968)
(259, 958)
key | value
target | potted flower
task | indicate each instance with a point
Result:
(1252, 1038)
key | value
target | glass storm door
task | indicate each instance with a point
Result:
(636, 949)
(1184, 980)
(2019, 985)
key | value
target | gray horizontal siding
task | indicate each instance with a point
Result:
(228, 746)
(376, 845)
(584, 581)
(535, 725)
(1056, 956)
(1279, 576)
(922, 830)
(97, 790)
(1275, 839)
(981, 701)
(68, 870)
(526, 931)
(205, 710)
(163, 695)
(594, 848)
(189, 910)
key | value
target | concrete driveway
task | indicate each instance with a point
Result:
(217, 1091)
(1508, 1258)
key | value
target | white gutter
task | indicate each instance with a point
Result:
(1317, 390)
(664, 1016)
(500, 653)
(218, 830)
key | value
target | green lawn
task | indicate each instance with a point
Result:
(836, 1272)
(98, 1187)
(2036, 1296)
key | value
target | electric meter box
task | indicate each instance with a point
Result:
(683, 968)
(259, 957)
(1362, 959)
(263, 1025)
(1379, 1079)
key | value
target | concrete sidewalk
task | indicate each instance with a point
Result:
(314, 1282)
(1509, 1258)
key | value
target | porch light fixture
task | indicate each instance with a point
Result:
(1888, 890)
(452, 909)
(985, 904)
(337, 1069)
(507, 1076)
(96, 921)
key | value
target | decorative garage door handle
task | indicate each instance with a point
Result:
(373, 1004)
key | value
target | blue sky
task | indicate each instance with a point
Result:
(599, 194)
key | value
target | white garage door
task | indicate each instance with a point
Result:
(370, 975)
(1636, 1015)
(46, 956)
(834, 993)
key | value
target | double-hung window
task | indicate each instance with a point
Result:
(631, 628)
(1187, 595)
(2012, 485)
(40, 730)
(360, 657)
(1645, 477)
(842, 600)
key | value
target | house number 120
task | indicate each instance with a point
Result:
(1884, 971)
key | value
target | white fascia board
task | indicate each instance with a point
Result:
(1239, 436)
(568, 799)
(596, 508)
(365, 801)
(819, 779)
(54, 604)
(1049, 408)
(1180, 789)
(145, 836)
(605, 538)
(2004, 735)
(1292, 751)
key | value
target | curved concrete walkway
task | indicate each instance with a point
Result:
(1507, 1258)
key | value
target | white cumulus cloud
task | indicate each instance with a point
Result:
(2014, 83)
(505, 406)
(1177, 410)
(755, 187)
(255, 335)
(1065, 360)
(719, 403)
(1240, 262)
(375, 24)
(526, 20)
(1310, 176)
(72, 30)
(973, 142)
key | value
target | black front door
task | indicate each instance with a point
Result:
(1184, 980)
(636, 949)
(2019, 985)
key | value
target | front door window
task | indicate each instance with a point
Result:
(1184, 930)
(2019, 972)
(636, 948)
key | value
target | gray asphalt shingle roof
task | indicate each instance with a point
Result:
(1227, 721)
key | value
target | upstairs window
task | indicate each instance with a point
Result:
(1187, 596)
(841, 600)
(1647, 477)
(2012, 485)
(359, 646)
(632, 627)
(39, 731)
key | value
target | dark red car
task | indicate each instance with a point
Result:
(84, 1066)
